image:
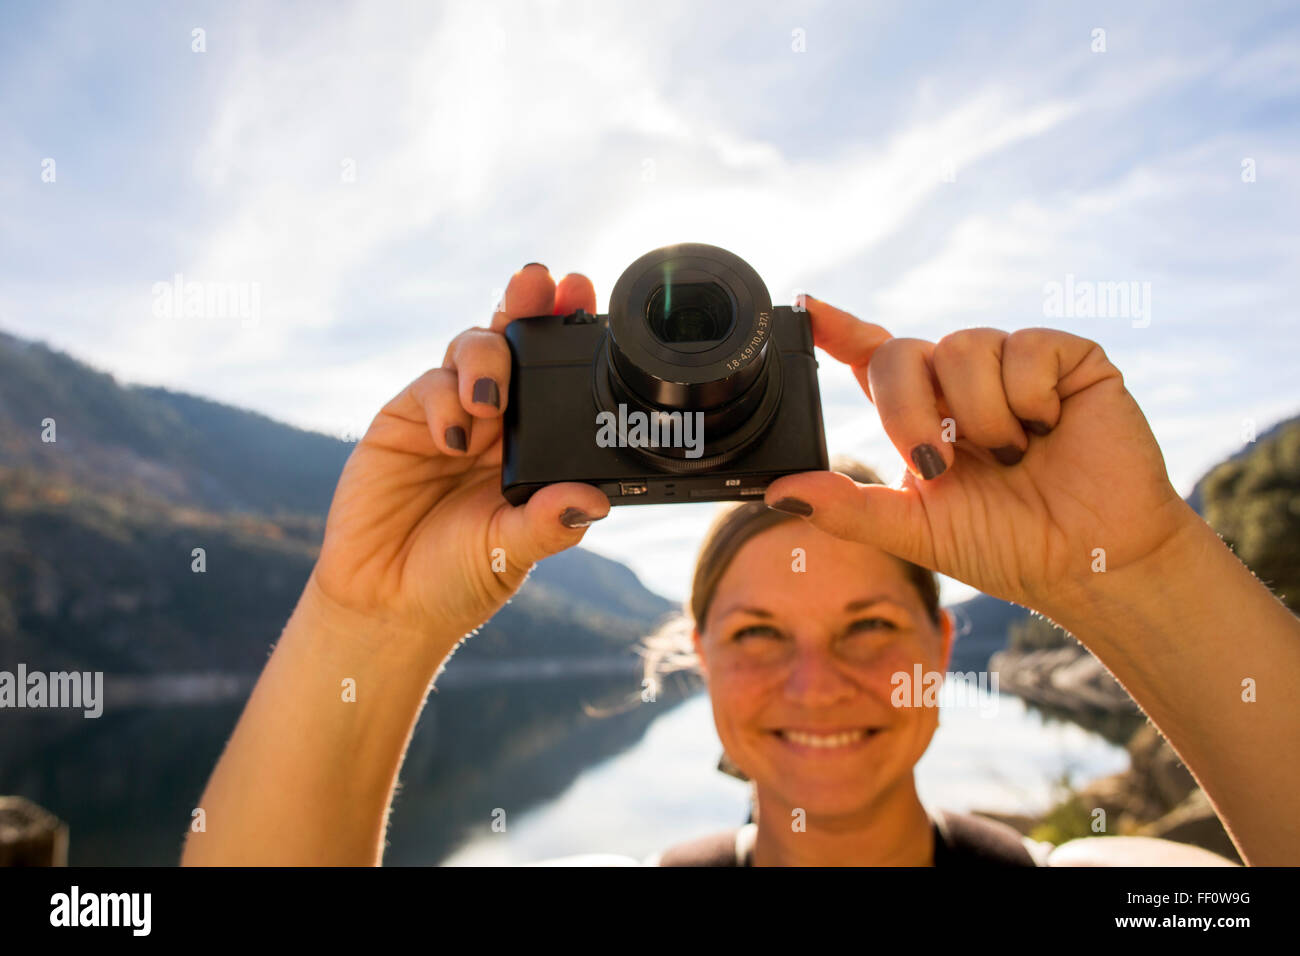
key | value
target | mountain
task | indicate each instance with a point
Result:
(97, 529)
(136, 442)
(982, 624)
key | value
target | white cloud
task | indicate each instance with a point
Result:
(485, 136)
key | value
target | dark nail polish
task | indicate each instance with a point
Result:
(928, 461)
(1035, 427)
(534, 264)
(487, 393)
(456, 438)
(1008, 454)
(792, 506)
(576, 518)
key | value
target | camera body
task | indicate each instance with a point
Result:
(692, 388)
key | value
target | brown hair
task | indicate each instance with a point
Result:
(670, 648)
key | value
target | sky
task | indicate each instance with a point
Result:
(368, 175)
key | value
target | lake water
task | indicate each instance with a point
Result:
(576, 765)
(994, 753)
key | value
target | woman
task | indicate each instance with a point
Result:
(1053, 495)
(809, 645)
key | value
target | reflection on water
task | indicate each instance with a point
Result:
(563, 780)
(1009, 757)
(994, 753)
(126, 783)
(490, 752)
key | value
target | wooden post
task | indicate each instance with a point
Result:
(30, 835)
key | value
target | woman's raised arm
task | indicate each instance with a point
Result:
(406, 569)
(1034, 477)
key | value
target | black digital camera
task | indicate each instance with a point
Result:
(692, 388)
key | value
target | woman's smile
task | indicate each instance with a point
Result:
(822, 743)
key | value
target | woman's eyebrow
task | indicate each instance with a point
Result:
(863, 603)
(857, 605)
(755, 611)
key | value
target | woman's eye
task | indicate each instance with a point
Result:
(756, 630)
(869, 624)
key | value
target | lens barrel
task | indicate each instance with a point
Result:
(690, 330)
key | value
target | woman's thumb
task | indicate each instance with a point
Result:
(554, 518)
(889, 518)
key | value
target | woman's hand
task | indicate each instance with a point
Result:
(406, 570)
(418, 514)
(1031, 467)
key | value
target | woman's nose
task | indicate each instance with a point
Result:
(814, 680)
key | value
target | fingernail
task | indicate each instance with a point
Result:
(577, 518)
(928, 461)
(792, 506)
(1035, 427)
(534, 264)
(1008, 454)
(456, 438)
(487, 393)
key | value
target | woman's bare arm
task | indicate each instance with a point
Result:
(420, 548)
(307, 777)
(1213, 658)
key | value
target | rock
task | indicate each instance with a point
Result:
(30, 835)
(1157, 797)
(1068, 678)
(1194, 821)
(1115, 795)
(1087, 679)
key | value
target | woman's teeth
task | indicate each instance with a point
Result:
(823, 740)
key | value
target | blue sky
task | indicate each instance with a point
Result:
(926, 166)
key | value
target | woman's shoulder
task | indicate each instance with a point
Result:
(966, 839)
(961, 839)
(733, 847)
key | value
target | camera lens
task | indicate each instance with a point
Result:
(689, 313)
(690, 331)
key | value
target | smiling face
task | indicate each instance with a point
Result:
(799, 667)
